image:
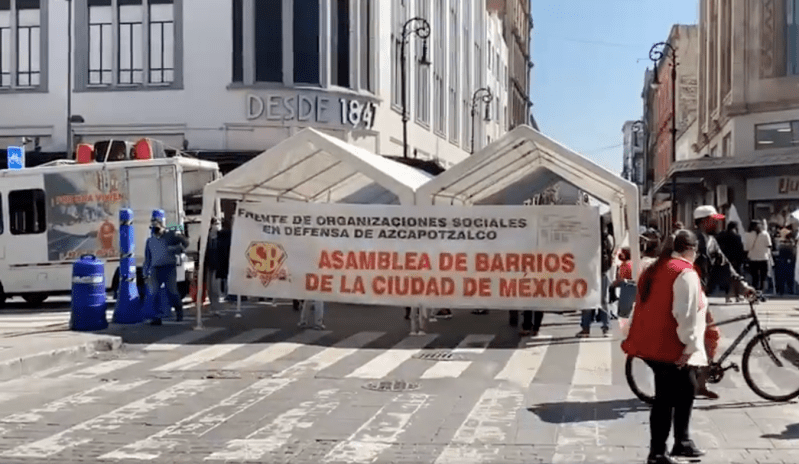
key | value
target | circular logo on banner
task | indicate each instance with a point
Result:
(266, 260)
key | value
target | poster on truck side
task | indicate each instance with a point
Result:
(83, 213)
(492, 257)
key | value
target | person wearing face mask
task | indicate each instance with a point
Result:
(160, 261)
(667, 332)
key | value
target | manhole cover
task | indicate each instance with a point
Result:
(440, 356)
(392, 386)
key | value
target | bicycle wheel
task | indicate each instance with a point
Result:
(763, 375)
(644, 386)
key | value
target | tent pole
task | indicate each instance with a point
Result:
(238, 306)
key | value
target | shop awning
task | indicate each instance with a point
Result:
(524, 162)
(753, 165)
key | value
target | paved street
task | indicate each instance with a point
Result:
(259, 389)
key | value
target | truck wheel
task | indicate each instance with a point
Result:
(2, 296)
(34, 299)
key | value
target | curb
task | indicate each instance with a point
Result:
(30, 364)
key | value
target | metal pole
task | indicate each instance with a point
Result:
(673, 134)
(69, 79)
(471, 151)
(404, 97)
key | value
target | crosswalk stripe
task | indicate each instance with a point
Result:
(100, 369)
(574, 436)
(181, 339)
(389, 360)
(75, 436)
(278, 350)
(593, 365)
(277, 433)
(525, 361)
(379, 432)
(332, 355)
(488, 425)
(471, 344)
(200, 423)
(81, 398)
(216, 351)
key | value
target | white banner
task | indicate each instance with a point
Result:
(492, 257)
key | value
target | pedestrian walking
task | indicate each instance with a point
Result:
(531, 323)
(732, 246)
(419, 316)
(711, 260)
(223, 240)
(160, 260)
(601, 314)
(667, 332)
(757, 244)
(211, 264)
(318, 314)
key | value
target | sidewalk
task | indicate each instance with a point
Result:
(24, 354)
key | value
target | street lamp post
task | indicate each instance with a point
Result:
(422, 30)
(485, 95)
(69, 79)
(656, 53)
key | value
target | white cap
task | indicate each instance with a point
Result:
(704, 211)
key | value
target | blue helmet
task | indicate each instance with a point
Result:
(158, 216)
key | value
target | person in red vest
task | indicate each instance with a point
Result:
(667, 332)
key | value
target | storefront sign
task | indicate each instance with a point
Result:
(493, 257)
(313, 108)
(772, 188)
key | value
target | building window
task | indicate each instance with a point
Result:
(238, 40)
(367, 73)
(268, 41)
(792, 36)
(777, 135)
(454, 60)
(422, 90)
(714, 152)
(399, 16)
(306, 41)
(129, 43)
(439, 64)
(340, 47)
(726, 146)
(23, 44)
(26, 211)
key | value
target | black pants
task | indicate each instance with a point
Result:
(674, 400)
(759, 271)
(531, 320)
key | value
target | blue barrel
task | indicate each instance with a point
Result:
(88, 295)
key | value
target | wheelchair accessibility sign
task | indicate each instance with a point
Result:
(16, 157)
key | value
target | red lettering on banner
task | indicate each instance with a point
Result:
(528, 263)
(512, 264)
(311, 282)
(357, 286)
(374, 260)
(552, 262)
(477, 287)
(413, 286)
(481, 262)
(424, 263)
(326, 284)
(567, 263)
(544, 288)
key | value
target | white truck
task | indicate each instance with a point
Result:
(51, 215)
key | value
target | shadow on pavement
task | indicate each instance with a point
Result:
(740, 405)
(571, 411)
(791, 432)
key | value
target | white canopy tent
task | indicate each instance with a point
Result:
(524, 162)
(310, 167)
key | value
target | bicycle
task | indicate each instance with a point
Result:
(717, 371)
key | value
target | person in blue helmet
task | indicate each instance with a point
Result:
(160, 261)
